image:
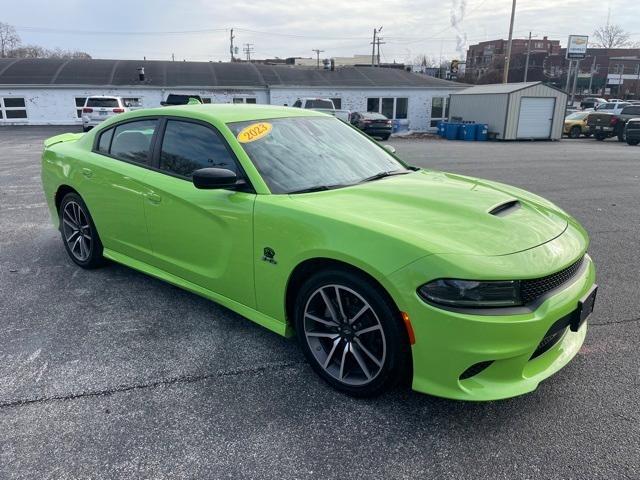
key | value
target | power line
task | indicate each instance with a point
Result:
(317, 56)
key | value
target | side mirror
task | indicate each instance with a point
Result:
(390, 149)
(212, 178)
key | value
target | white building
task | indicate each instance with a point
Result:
(52, 91)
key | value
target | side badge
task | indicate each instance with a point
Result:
(269, 255)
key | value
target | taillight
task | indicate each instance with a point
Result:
(87, 110)
(118, 110)
(614, 120)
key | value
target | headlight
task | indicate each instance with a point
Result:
(470, 293)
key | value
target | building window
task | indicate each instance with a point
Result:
(373, 105)
(439, 110)
(206, 99)
(244, 100)
(337, 103)
(79, 104)
(402, 105)
(12, 108)
(390, 107)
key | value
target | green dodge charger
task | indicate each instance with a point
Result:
(467, 288)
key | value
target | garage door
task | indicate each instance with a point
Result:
(536, 117)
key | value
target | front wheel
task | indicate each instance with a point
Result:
(351, 333)
(575, 132)
(79, 234)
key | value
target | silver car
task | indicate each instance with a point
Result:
(98, 108)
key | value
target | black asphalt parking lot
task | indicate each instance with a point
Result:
(113, 374)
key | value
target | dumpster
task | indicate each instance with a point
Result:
(469, 131)
(483, 132)
(451, 131)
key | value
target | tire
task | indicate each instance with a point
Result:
(385, 138)
(86, 129)
(575, 132)
(599, 136)
(79, 234)
(621, 136)
(633, 143)
(587, 135)
(362, 359)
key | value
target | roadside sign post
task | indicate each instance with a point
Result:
(576, 50)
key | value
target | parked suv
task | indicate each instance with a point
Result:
(632, 131)
(604, 125)
(611, 107)
(98, 108)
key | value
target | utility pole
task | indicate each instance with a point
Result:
(378, 42)
(231, 37)
(526, 66)
(373, 48)
(507, 59)
(317, 56)
(248, 48)
(173, 57)
(375, 42)
(593, 70)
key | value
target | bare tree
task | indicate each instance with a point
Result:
(612, 36)
(9, 39)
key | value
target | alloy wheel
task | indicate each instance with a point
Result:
(77, 231)
(344, 334)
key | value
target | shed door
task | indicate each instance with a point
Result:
(536, 117)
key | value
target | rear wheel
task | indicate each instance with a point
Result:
(351, 334)
(575, 132)
(599, 136)
(79, 234)
(385, 137)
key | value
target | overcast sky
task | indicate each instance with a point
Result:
(199, 29)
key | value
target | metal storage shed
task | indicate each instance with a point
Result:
(513, 111)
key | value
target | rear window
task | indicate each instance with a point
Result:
(102, 102)
(132, 141)
(319, 103)
(631, 111)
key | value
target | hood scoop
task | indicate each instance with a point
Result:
(506, 208)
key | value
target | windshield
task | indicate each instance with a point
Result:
(319, 103)
(102, 102)
(301, 153)
(577, 116)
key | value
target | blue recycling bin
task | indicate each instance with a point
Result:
(451, 131)
(442, 128)
(469, 132)
(482, 134)
(460, 131)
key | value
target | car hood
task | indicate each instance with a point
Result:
(444, 213)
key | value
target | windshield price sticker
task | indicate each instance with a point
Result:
(254, 132)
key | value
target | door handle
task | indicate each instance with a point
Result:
(154, 198)
(87, 172)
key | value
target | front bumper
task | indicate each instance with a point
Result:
(449, 342)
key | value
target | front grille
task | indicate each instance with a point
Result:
(531, 290)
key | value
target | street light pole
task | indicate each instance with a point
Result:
(526, 66)
(507, 59)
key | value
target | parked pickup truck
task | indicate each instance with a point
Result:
(323, 105)
(604, 125)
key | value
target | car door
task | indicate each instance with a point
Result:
(203, 236)
(115, 174)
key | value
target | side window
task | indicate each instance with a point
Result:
(189, 146)
(132, 141)
(105, 141)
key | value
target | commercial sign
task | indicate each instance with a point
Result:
(577, 47)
